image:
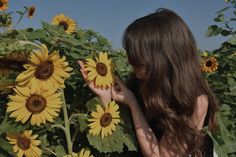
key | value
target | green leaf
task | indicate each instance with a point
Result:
(112, 143)
(213, 30)
(222, 10)
(225, 32)
(220, 18)
(60, 151)
(30, 34)
(82, 119)
(232, 19)
(52, 29)
(83, 122)
(232, 40)
(6, 150)
(223, 139)
(10, 126)
(44, 141)
(91, 104)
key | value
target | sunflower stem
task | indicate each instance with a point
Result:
(67, 124)
(75, 116)
(59, 126)
(21, 17)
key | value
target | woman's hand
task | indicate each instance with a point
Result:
(103, 94)
(122, 94)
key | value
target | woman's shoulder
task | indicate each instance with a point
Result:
(200, 115)
(202, 101)
(202, 104)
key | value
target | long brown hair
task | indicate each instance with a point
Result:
(162, 44)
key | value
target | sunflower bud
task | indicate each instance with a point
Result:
(5, 20)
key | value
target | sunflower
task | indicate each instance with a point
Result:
(100, 71)
(3, 5)
(67, 23)
(46, 70)
(209, 64)
(25, 144)
(35, 104)
(31, 11)
(83, 153)
(104, 121)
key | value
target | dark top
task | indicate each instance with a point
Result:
(207, 147)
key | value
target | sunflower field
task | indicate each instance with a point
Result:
(47, 109)
(219, 67)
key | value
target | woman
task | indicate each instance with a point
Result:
(168, 96)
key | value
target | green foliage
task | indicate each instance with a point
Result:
(15, 48)
(113, 143)
(223, 81)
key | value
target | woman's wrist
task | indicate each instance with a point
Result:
(104, 100)
(133, 103)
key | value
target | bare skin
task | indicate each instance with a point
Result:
(149, 145)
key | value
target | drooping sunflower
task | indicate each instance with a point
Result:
(25, 144)
(3, 5)
(34, 103)
(209, 64)
(83, 153)
(67, 23)
(100, 71)
(31, 11)
(104, 121)
(46, 70)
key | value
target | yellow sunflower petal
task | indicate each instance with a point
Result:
(25, 91)
(20, 153)
(44, 51)
(100, 109)
(95, 115)
(26, 75)
(36, 142)
(90, 62)
(61, 73)
(17, 98)
(34, 58)
(17, 112)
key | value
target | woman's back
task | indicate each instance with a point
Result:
(206, 147)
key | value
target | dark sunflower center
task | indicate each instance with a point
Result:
(36, 103)
(209, 63)
(64, 25)
(44, 70)
(105, 119)
(101, 69)
(31, 11)
(23, 142)
(1, 3)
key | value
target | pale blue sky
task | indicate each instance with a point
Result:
(111, 17)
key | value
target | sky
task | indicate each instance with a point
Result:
(110, 17)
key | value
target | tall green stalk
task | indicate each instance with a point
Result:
(67, 124)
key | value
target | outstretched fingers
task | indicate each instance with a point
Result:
(84, 72)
